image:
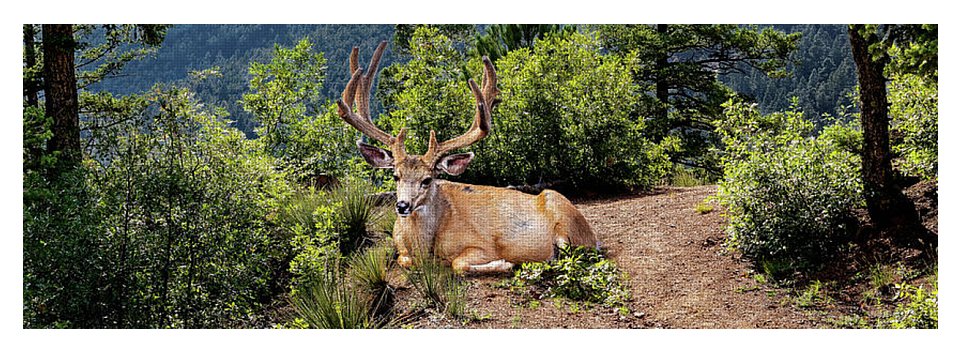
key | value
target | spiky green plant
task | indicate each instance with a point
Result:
(368, 269)
(438, 285)
(358, 211)
(329, 301)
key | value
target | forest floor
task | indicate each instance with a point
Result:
(680, 276)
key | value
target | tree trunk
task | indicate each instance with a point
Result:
(60, 92)
(663, 89)
(889, 209)
(31, 88)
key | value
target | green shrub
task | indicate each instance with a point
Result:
(65, 258)
(339, 224)
(164, 225)
(578, 273)
(913, 111)
(564, 116)
(919, 311)
(789, 195)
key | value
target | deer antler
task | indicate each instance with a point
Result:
(486, 99)
(357, 92)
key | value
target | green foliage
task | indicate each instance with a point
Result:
(820, 75)
(328, 300)
(677, 69)
(314, 245)
(789, 195)
(920, 310)
(63, 254)
(358, 211)
(579, 274)
(498, 39)
(704, 208)
(913, 112)
(369, 267)
(438, 285)
(108, 48)
(813, 295)
(402, 34)
(913, 49)
(282, 92)
(324, 224)
(564, 114)
(164, 227)
(36, 133)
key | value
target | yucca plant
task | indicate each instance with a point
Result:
(438, 285)
(329, 301)
(368, 269)
(297, 211)
(358, 211)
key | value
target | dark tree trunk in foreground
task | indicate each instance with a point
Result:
(60, 92)
(889, 209)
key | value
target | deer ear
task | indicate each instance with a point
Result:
(377, 157)
(455, 164)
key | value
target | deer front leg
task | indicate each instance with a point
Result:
(477, 261)
(402, 242)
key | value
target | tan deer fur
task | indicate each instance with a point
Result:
(473, 228)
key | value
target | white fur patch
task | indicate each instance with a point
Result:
(493, 266)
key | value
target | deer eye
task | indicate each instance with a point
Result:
(396, 178)
(426, 182)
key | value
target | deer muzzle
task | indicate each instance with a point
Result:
(404, 208)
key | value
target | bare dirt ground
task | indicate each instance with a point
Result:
(680, 276)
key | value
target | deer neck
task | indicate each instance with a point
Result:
(427, 218)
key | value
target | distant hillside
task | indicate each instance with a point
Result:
(232, 48)
(821, 80)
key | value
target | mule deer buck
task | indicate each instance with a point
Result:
(473, 228)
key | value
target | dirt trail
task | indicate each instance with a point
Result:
(680, 274)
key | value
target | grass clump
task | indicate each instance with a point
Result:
(328, 300)
(368, 269)
(703, 208)
(438, 285)
(578, 274)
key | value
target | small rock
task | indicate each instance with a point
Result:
(639, 314)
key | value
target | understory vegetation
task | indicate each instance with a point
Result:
(579, 274)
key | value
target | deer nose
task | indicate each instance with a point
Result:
(403, 208)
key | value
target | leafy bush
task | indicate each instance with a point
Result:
(165, 225)
(338, 224)
(578, 273)
(913, 111)
(919, 311)
(295, 126)
(789, 195)
(65, 269)
(564, 116)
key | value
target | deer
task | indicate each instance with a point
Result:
(472, 228)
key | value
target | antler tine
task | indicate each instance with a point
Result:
(354, 59)
(357, 92)
(366, 83)
(482, 121)
(490, 90)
